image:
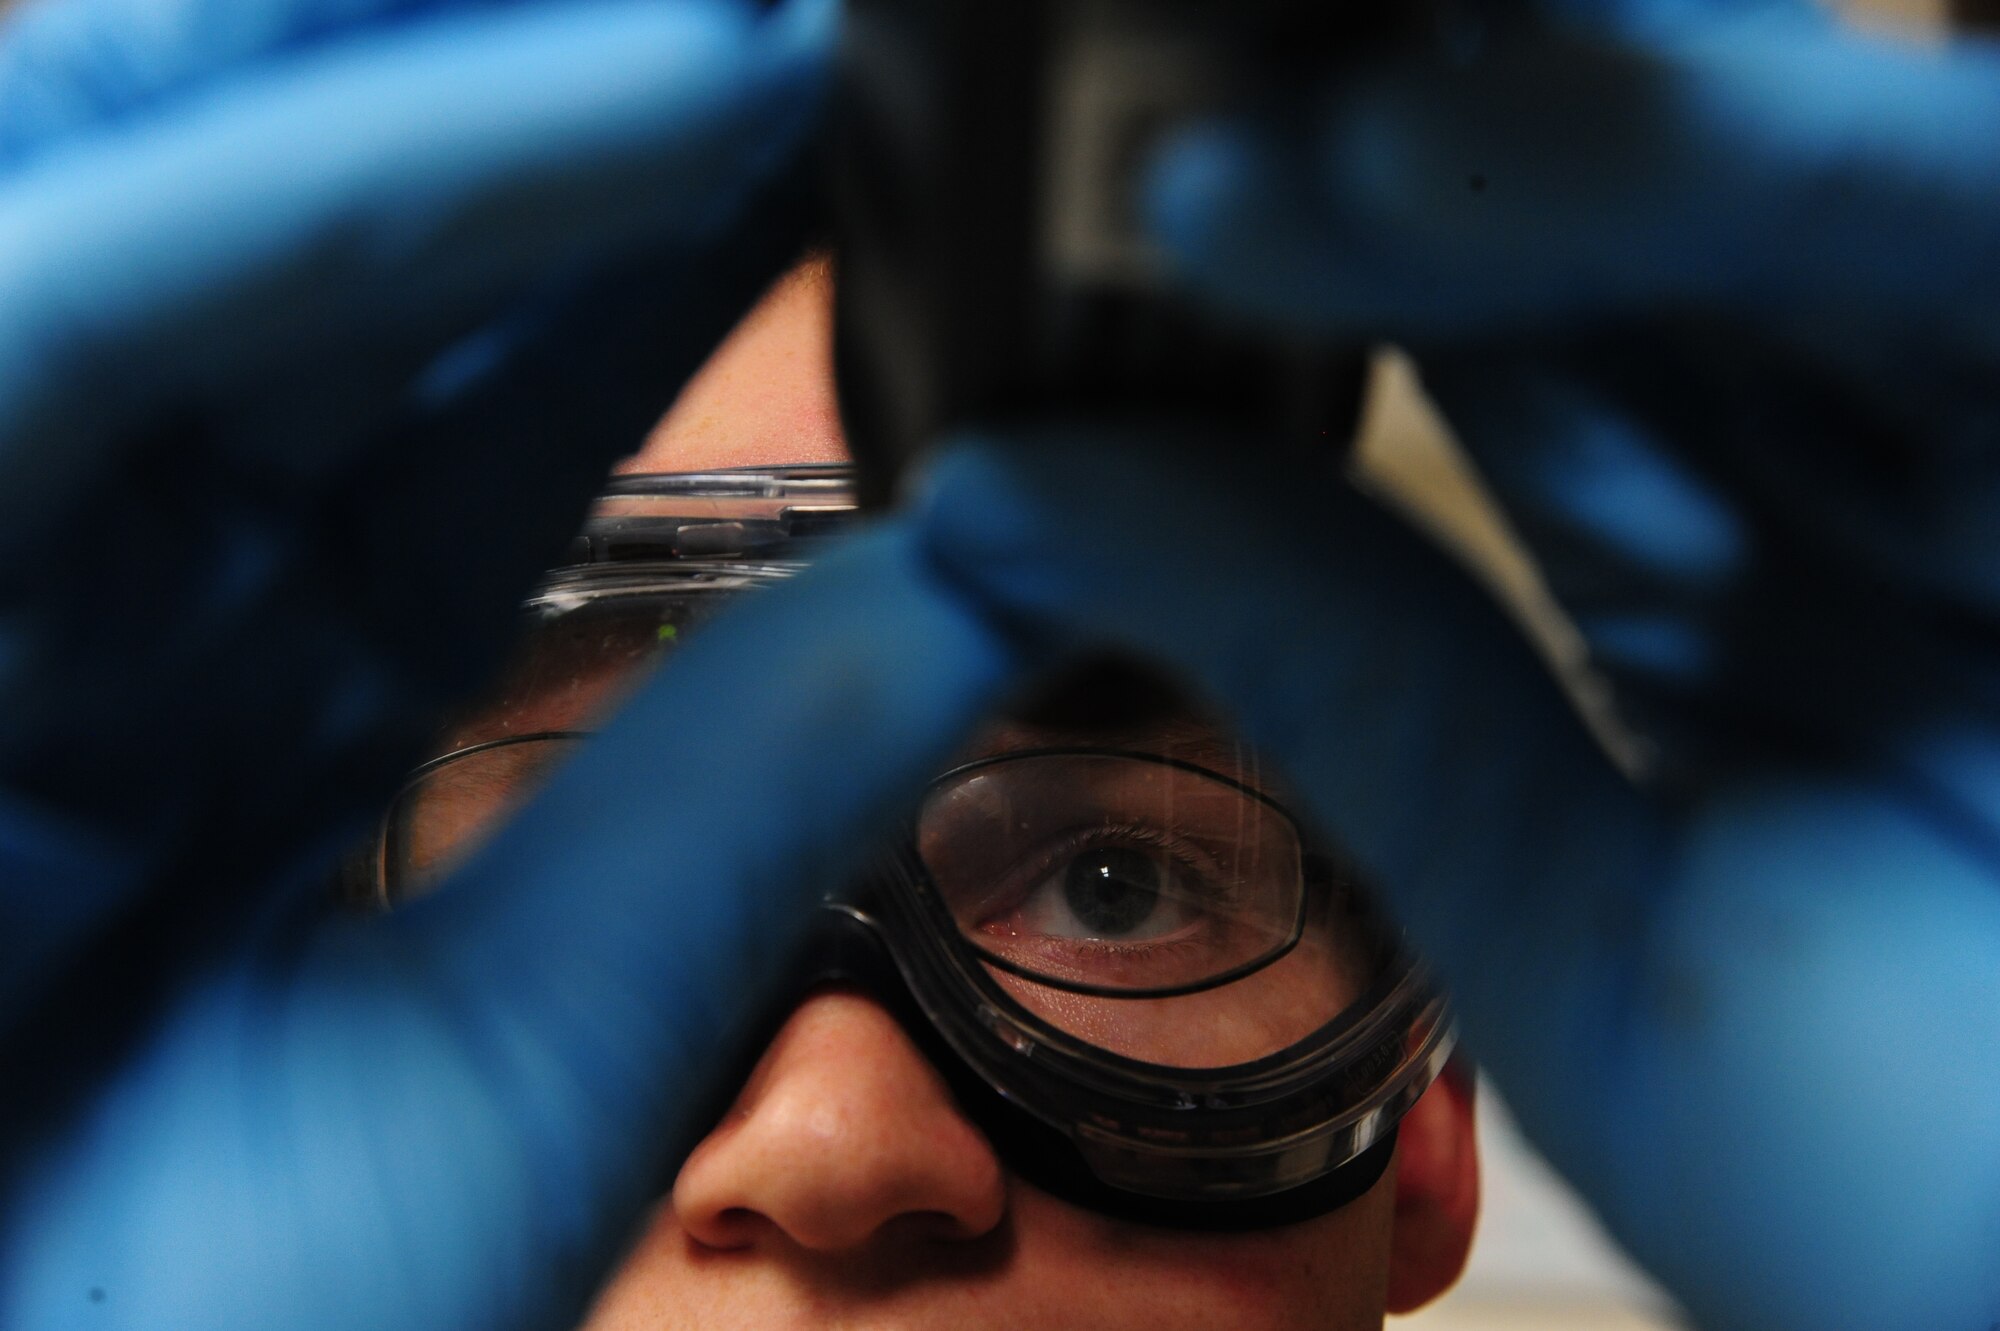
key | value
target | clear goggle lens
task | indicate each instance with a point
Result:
(1144, 906)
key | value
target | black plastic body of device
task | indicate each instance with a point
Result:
(991, 263)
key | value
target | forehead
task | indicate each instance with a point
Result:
(765, 397)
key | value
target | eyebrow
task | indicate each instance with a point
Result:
(1178, 736)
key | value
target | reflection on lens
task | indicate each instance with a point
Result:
(453, 807)
(1145, 906)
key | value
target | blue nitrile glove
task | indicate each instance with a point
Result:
(319, 323)
(1715, 311)
(453, 1116)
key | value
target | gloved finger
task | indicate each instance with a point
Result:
(1723, 538)
(1416, 724)
(1844, 459)
(1744, 167)
(1869, 458)
(160, 271)
(1648, 556)
(68, 67)
(470, 1101)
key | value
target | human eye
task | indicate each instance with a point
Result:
(1110, 871)
(1110, 889)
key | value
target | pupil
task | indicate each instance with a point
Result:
(1111, 890)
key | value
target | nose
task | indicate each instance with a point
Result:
(844, 1132)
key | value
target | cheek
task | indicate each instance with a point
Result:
(1326, 1274)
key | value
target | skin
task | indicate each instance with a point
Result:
(844, 1188)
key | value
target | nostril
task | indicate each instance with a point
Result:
(730, 1229)
(737, 1220)
(938, 1225)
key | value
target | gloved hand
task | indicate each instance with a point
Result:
(319, 323)
(1711, 300)
(455, 1115)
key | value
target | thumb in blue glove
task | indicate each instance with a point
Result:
(1710, 299)
(1747, 1017)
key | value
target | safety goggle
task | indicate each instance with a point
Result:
(1155, 992)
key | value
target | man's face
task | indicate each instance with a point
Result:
(844, 1187)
